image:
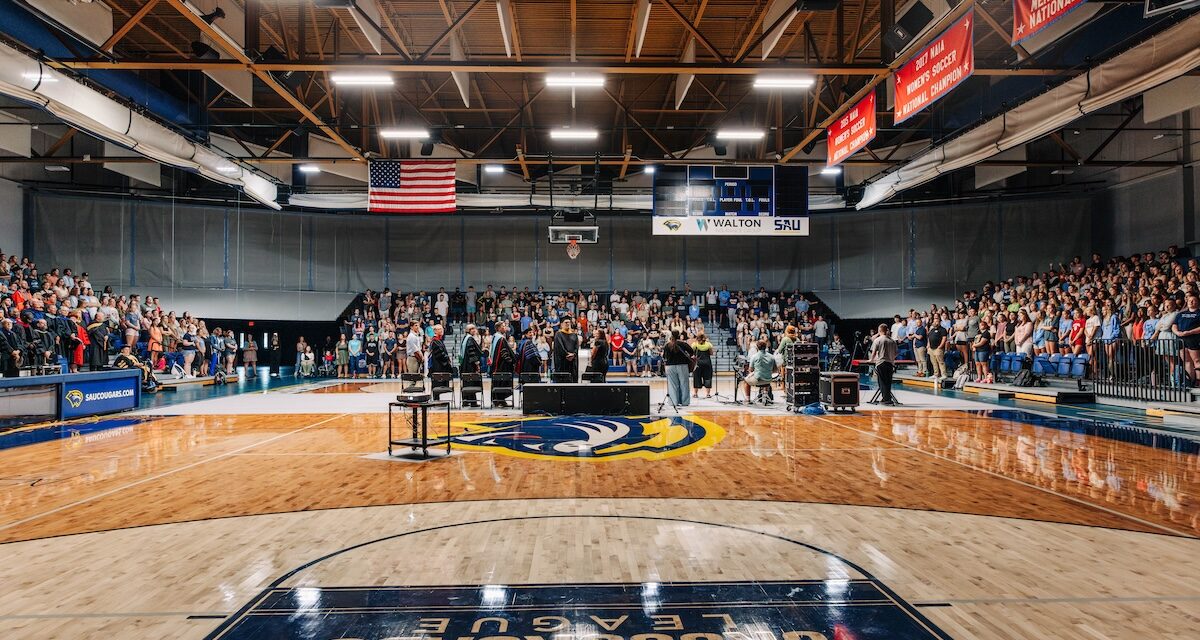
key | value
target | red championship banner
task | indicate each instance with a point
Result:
(936, 69)
(852, 131)
(1031, 16)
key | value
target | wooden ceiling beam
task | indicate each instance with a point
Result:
(482, 66)
(264, 76)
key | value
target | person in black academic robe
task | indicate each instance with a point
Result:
(503, 358)
(41, 348)
(98, 348)
(600, 356)
(566, 350)
(472, 353)
(528, 360)
(11, 350)
(439, 358)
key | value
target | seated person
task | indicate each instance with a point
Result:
(762, 372)
(126, 360)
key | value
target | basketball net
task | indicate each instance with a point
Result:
(573, 249)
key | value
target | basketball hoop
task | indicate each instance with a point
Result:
(573, 248)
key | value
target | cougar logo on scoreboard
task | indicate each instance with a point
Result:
(672, 224)
(590, 437)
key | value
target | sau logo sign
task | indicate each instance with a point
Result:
(590, 437)
(75, 398)
(672, 224)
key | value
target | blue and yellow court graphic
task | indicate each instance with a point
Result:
(597, 438)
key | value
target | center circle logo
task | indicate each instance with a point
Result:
(596, 438)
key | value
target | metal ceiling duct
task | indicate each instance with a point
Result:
(29, 80)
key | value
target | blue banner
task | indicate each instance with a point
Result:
(93, 397)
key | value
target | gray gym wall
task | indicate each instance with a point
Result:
(254, 263)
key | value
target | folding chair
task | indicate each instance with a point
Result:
(413, 382)
(471, 386)
(441, 384)
(502, 389)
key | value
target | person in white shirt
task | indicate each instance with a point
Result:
(414, 346)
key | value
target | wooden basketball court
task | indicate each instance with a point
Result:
(940, 519)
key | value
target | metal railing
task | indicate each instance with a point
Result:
(1146, 370)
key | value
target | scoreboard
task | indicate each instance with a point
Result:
(731, 200)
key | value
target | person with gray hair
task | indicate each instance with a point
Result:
(11, 349)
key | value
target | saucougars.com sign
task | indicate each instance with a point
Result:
(93, 397)
(729, 226)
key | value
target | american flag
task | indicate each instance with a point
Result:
(412, 186)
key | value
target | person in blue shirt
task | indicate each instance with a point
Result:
(1110, 330)
(1187, 327)
(694, 311)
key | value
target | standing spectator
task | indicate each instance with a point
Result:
(415, 346)
(1187, 327)
(231, 348)
(342, 358)
(919, 336)
(155, 343)
(566, 350)
(936, 340)
(301, 349)
(188, 342)
(439, 358)
(250, 357)
(598, 364)
(703, 375)
(274, 355)
(355, 349)
(677, 358)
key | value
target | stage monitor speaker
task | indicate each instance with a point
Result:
(908, 27)
(586, 399)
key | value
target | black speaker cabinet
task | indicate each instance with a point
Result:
(839, 390)
(908, 26)
(586, 399)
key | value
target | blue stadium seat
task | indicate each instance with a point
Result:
(1042, 366)
(1079, 366)
(996, 362)
(1054, 362)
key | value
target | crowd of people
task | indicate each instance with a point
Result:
(632, 331)
(55, 322)
(1151, 300)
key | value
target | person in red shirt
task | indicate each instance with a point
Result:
(1078, 331)
(617, 341)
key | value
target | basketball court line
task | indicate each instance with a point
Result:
(1071, 498)
(185, 467)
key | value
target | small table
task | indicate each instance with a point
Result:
(420, 437)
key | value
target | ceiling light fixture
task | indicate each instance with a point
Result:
(783, 82)
(831, 171)
(362, 79)
(57, 168)
(309, 168)
(572, 80)
(649, 170)
(493, 168)
(740, 134)
(574, 134)
(1062, 172)
(414, 134)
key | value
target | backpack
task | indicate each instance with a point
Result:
(961, 380)
(1024, 378)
